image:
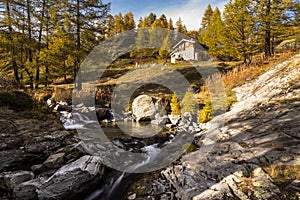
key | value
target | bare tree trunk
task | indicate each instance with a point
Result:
(14, 62)
(37, 72)
(273, 44)
(30, 56)
(268, 32)
(78, 46)
(244, 44)
(47, 46)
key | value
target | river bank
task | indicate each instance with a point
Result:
(250, 152)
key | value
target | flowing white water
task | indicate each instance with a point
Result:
(114, 187)
(95, 194)
(74, 120)
(112, 190)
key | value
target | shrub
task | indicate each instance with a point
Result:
(230, 99)
(175, 105)
(41, 111)
(188, 103)
(205, 113)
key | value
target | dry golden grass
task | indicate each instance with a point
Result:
(243, 73)
(237, 77)
(202, 95)
(283, 174)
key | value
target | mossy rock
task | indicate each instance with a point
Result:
(16, 100)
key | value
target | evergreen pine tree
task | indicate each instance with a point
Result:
(273, 20)
(180, 28)
(165, 48)
(129, 22)
(206, 18)
(188, 103)
(205, 22)
(170, 24)
(214, 37)
(239, 27)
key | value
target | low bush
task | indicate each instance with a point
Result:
(175, 105)
(188, 103)
(205, 114)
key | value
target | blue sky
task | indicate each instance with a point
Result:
(190, 11)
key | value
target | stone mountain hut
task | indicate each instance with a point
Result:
(188, 50)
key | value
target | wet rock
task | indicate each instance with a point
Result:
(72, 179)
(28, 141)
(48, 143)
(42, 145)
(132, 144)
(8, 135)
(104, 113)
(15, 159)
(38, 168)
(82, 148)
(57, 135)
(7, 127)
(55, 160)
(9, 180)
(294, 187)
(9, 141)
(62, 107)
(132, 197)
(29, 128)
(27, 190)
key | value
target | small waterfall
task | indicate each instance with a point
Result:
(95, 194)
(152, 151)
(112, 194)
(74, 120)
(116, 183)
(116, 189)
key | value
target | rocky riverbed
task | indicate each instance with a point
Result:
(250, 152)
(39, 159)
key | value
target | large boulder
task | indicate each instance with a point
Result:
(72, 179)
(145, 107)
